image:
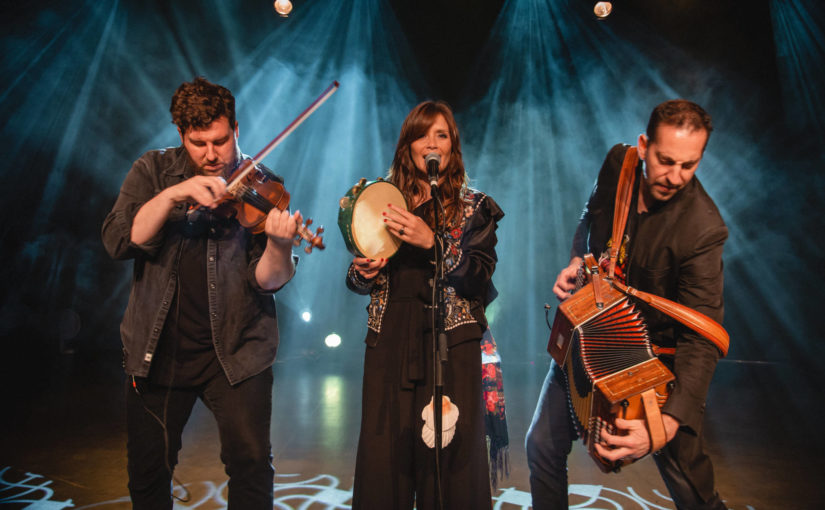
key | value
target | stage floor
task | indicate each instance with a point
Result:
(63, 440)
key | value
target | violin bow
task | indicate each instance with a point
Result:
(249, 164)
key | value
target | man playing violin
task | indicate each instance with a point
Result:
(200, 322)
(672, 248)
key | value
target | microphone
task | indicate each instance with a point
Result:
(433, 161)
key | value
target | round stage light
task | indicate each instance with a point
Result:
(603, 9)
(283, 7)
(332, 340)
(306, 316)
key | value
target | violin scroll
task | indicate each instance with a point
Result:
(313, 239)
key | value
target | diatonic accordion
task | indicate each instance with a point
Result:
(603, 348)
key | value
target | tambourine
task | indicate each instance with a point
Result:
(362, 223)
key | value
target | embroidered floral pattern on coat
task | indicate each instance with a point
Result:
(378, 301)
(458, 308)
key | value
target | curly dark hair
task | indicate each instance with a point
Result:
(680, 113)
(198, 103)
(403, 172)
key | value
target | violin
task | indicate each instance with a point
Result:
(252, 191)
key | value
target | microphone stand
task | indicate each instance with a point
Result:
(439, 335)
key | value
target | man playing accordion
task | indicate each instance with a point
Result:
(672, 248)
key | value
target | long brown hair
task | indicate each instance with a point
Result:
(404, 174)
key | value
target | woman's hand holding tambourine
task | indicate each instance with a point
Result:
(368, 268)
(408, 227)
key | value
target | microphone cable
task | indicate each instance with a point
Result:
(162, 421)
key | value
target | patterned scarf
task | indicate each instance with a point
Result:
(495, 421)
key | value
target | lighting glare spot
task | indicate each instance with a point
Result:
(332, 390)
(332, 340)
(306, 316)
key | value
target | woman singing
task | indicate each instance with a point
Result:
(395, 468)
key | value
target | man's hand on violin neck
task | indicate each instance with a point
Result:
(281, 227)
(205, 190)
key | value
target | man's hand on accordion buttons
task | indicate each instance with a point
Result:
(633, 439)
(566, 280)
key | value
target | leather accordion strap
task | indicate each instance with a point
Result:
(655, 425)
(623, 197)
(697, 321)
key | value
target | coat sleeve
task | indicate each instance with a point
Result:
(138, 188)
(476, 256)
(700, 287)
(357, 283)
(595, 223)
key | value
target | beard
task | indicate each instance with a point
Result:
(216, 169)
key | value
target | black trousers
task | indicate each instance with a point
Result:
(683, 464)
(155, 419)
(394, 467)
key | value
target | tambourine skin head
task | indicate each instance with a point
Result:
(361, 221)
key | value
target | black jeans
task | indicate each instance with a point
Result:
(683, 464)
(242, 413)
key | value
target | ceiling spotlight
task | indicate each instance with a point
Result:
(306, 316)
(283, 7)
(602, 9)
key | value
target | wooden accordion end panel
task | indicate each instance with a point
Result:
(608, 362)
(621, 396)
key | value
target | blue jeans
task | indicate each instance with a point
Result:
(242, 413)
(548, 443)
(683, 464)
